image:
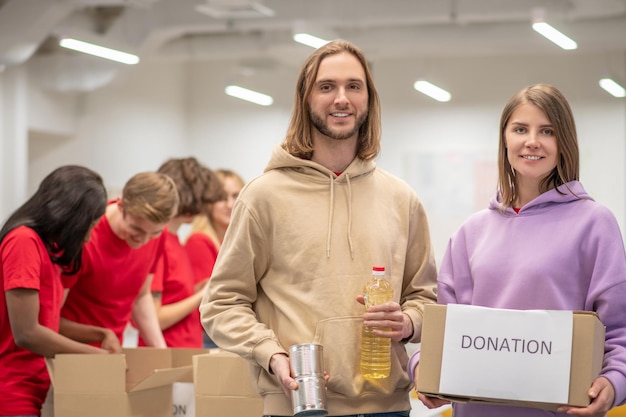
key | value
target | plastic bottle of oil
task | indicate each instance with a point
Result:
(375, 350)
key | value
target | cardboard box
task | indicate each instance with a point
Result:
(587, 352)
(223, 387)
(136, 383)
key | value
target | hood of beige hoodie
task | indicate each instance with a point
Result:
(282, 160)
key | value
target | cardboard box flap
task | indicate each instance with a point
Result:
(586, 313)
(432, 332)
(142, 362)
(587, 326)
(224, 387)
(160, 377)
(83, 373)
(223, 374)
(184, 356)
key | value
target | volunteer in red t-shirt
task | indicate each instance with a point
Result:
(113, 285)
(208, 230)
(176, 300)
(40, 239)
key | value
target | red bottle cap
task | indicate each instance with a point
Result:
(378, 268)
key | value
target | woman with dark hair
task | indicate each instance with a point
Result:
(41, 240)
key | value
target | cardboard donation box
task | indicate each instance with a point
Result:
(135, 383)
(223, 386)
(533, 358)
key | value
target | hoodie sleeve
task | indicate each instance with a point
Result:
(604, 256)
(455, 283)
(226, 310)
(445, 287)
(420, 275)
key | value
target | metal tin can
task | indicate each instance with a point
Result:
(307, 367)
(307, 359)
(310, 397)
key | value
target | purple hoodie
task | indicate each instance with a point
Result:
(561, 252)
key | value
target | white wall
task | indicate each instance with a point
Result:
(459, 135)
(13, 138)
(158, 110)
(230, 133)
(131, 125)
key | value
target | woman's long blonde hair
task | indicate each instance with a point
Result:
(204, 222)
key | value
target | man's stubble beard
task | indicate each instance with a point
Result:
(319, 123)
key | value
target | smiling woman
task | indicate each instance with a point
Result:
(532, 149)
(543, 244)
(538, 144)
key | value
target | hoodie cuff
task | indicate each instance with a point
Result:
(620, 389)
(413, 362)
(264, 351)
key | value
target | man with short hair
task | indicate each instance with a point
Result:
(113, 285)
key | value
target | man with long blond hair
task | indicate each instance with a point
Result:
(302, 242)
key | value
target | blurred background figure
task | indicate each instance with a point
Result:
(175, 295)
(208, 230)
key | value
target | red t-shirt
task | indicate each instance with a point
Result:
(110, 279)
(174, 280)
(202, 253)
(25, 263)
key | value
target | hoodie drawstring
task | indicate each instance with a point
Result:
(350, 216)
(330, 215)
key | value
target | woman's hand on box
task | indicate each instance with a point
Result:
(110, 342)
(428, 401)
(602, 396)
(431, 402)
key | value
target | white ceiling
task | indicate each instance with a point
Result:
(237, 29)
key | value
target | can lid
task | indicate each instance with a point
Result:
(378, 268)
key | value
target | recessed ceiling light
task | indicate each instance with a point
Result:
(249, 95)
(612, 87)
(99, 51)
(432, 91)
(554, 35)
(309, 40)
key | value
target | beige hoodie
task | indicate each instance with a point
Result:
(301, 245)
